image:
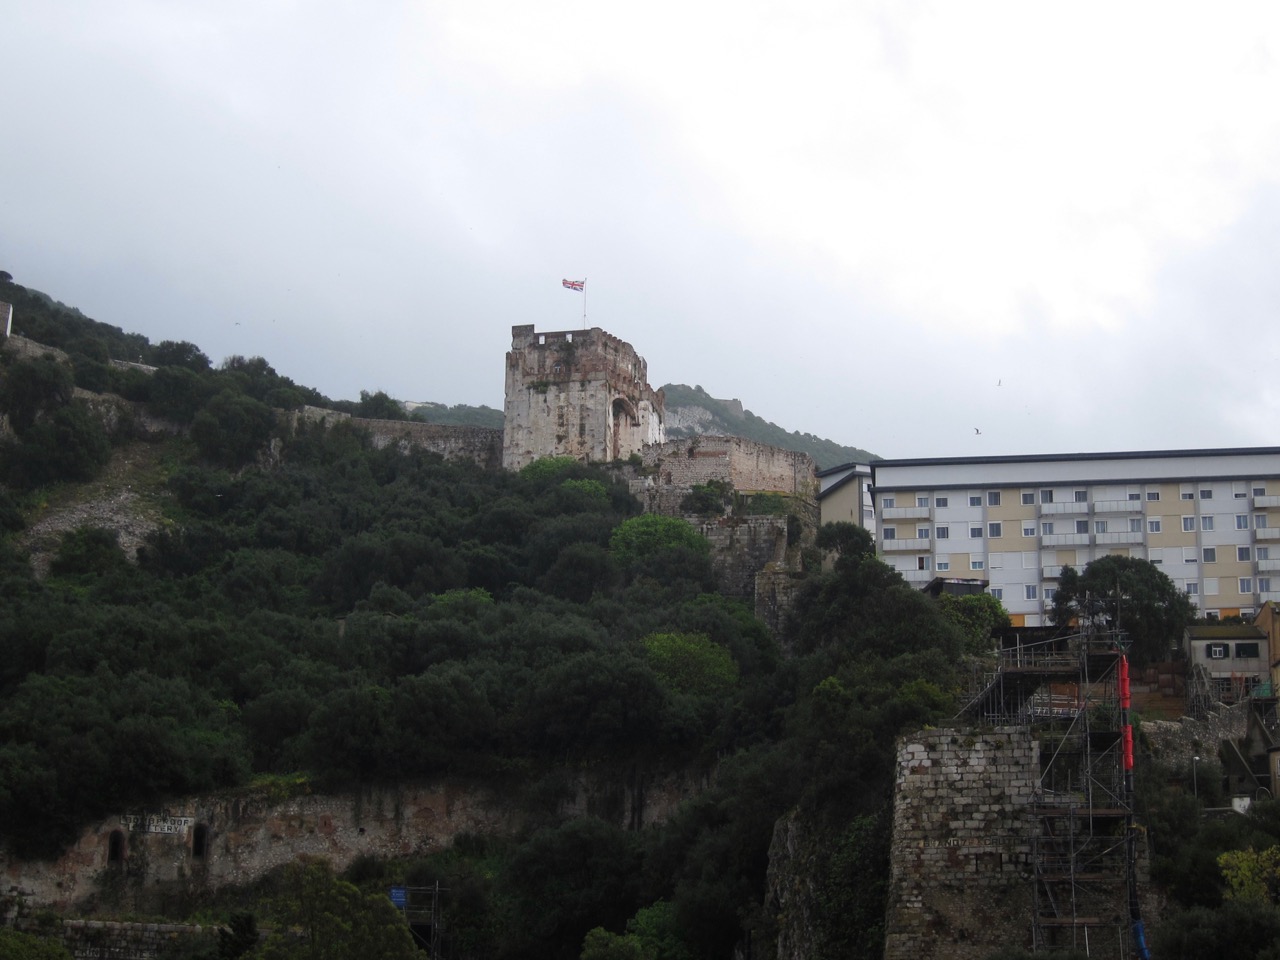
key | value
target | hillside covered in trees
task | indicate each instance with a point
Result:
(308, 607)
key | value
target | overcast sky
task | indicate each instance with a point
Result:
(891, 224)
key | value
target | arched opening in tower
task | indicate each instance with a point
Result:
(625, 420)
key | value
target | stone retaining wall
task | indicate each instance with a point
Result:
(958, 887)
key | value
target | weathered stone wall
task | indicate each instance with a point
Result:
(958, 887)
(480, 445)
(741, 548)
(108, 940)
(181, 851)
(576, 393)
(22, 347)
(1177, 741)
(673, 468)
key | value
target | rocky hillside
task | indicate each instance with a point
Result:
(691, 411)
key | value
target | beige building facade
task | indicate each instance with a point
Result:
(1209, 519)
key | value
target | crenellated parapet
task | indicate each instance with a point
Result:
(577, 393)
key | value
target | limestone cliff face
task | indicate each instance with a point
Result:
(791, 896)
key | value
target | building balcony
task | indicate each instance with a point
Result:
(1266, 533)
(1052, 572)
(1120, 536)
(1064, 539)
(1261, 503)
(1117, 506)
(1270, 595)
(905, 513)
(1268, 566)
(917, 576)
(1055, 509)
(918, 544)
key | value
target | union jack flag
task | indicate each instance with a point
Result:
(574, 284)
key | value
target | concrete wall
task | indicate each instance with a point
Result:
(958, 884)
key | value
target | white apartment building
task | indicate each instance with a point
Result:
(1210, 519)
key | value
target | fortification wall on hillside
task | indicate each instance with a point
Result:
(962, 836)
(481, 445)
(155, 861)
(576, 393)
(22, 347)
(673, 468)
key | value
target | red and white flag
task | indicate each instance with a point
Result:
(574, 284)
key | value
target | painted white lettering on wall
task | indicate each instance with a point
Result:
(154, 823)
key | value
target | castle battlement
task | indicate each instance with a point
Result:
(577, 393)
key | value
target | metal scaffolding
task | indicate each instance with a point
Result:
(1074, 693)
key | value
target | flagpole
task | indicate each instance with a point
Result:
(584, 303)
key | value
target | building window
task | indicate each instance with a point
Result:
(1153, 494)
(942, 532)
(1028, 498)
(1046, 528)
(975, 500)
(887, 503)
(1246, 585)
(1135, 496)
(1082, 526)
(998, 592)
(1188, 495)
(1206, 523)
(977, 565)
(922, 533)
(1188, 524)
(1217, 651)
(1259, 491)
(1246, 651)
(1135, 524)
(1264, 584)
(1049, 594)
(1099, 526)
(1242, 521)
(1262, 553)
(1188, 554)
(922, 563)
(1028, 529)
(975, 532)
(1193, 588)
(889, 533)
(1153, 525)
(993, 498)
(1046, 496)
(1242, 553)
(1259, 521)
(994, 530)
(1031, 591)
(942, 565)
(940, 501)
(922, 501)
(1082, 496)
(1206, 494)
(1210, 555)
(1239, 494)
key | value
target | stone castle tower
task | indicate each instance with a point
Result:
(576, 393)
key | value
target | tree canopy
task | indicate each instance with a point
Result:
(1127, 594)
